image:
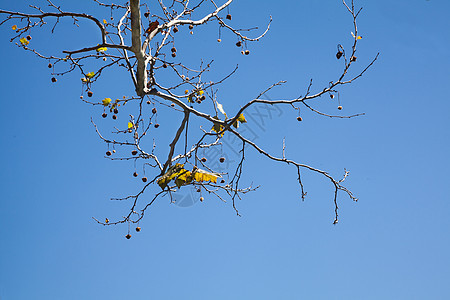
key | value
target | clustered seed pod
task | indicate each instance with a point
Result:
(339, 54)
(108, 153)
(104, 115)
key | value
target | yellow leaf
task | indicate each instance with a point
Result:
(217, 128)
(24, 41)
(201, 175)
(171, 173)
(220, 108)
(106, 102)
(90, 75)
(242, 119)
(104, 21)
(200, 92)
(102, 49)
(186, 91)
(14, 27)
(130, 125)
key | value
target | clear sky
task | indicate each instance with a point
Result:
(393, 244)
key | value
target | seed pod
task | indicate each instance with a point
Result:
(340, 107)
(146, 14)
(135, 174)
(331, 96)
(174, 54)
(239, 44)
(339, 54)
(201, 199)
(116, 111)
(108, 153)
(114, 117)
(156, 125)
(222, 159)
(104, 115)
(128, 236)
(29, 37)
(144, 179)
(138, 229)
(49, 65)
(53, 79)
(247, 52)
(203, 159)
(154, 110)
(89, 93)
(219, 40)
(164, 66)
(228, 17)
(134, 152)
(173, 49)
(191, 26)
(175, 29)
(299, 119)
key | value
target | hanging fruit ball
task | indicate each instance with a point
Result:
(191, 26)
(164, 66)
(173, 49)
(242, 52)
(128, 236)
(138, 229)
(146, 14)
(134, 152)
(116, 111)
(201, 199)
(108, 153)
(29, 37)
(114, 117)
(222, 159)
(172, 104)
(114, 150)
(247, 52)
(222, 181)
(219, 40)
(331, 96)
(53, 79)
(175, 29)
(154, 110)
(340, 107)
(144, 179)
(239, 44)
(228, 17)
(89, 93)
(174, 54)
(299, 119)
(156, 125)
(203, 159)
(135, 174)
(49, 65)
(104, 115)
(339, 54)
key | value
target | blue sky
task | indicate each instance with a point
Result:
(392, 244)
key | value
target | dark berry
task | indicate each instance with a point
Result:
(134, 152)
(222, 159)
(203, 159)
(174, 54)
(331, 96)
(222, 181)
(299, 118)
(135, 174)
(146, 14)
(228, 17)
(154, 110)
(108, 153)
(340, 107)
(144, 179)
(201, 199)
(191, 26)
(175, 29)
(53, 79)
(128, 236)
(247, 52)
(138, 229)
(114, 117)
(29, 37)
(49, 65)
(172, 105)
(116, 111)
(339, 54)
(90, 93)
(239, 43)
(156, 125)
(104, 115)
(148, 102)
(164, 66)
(173, 49)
